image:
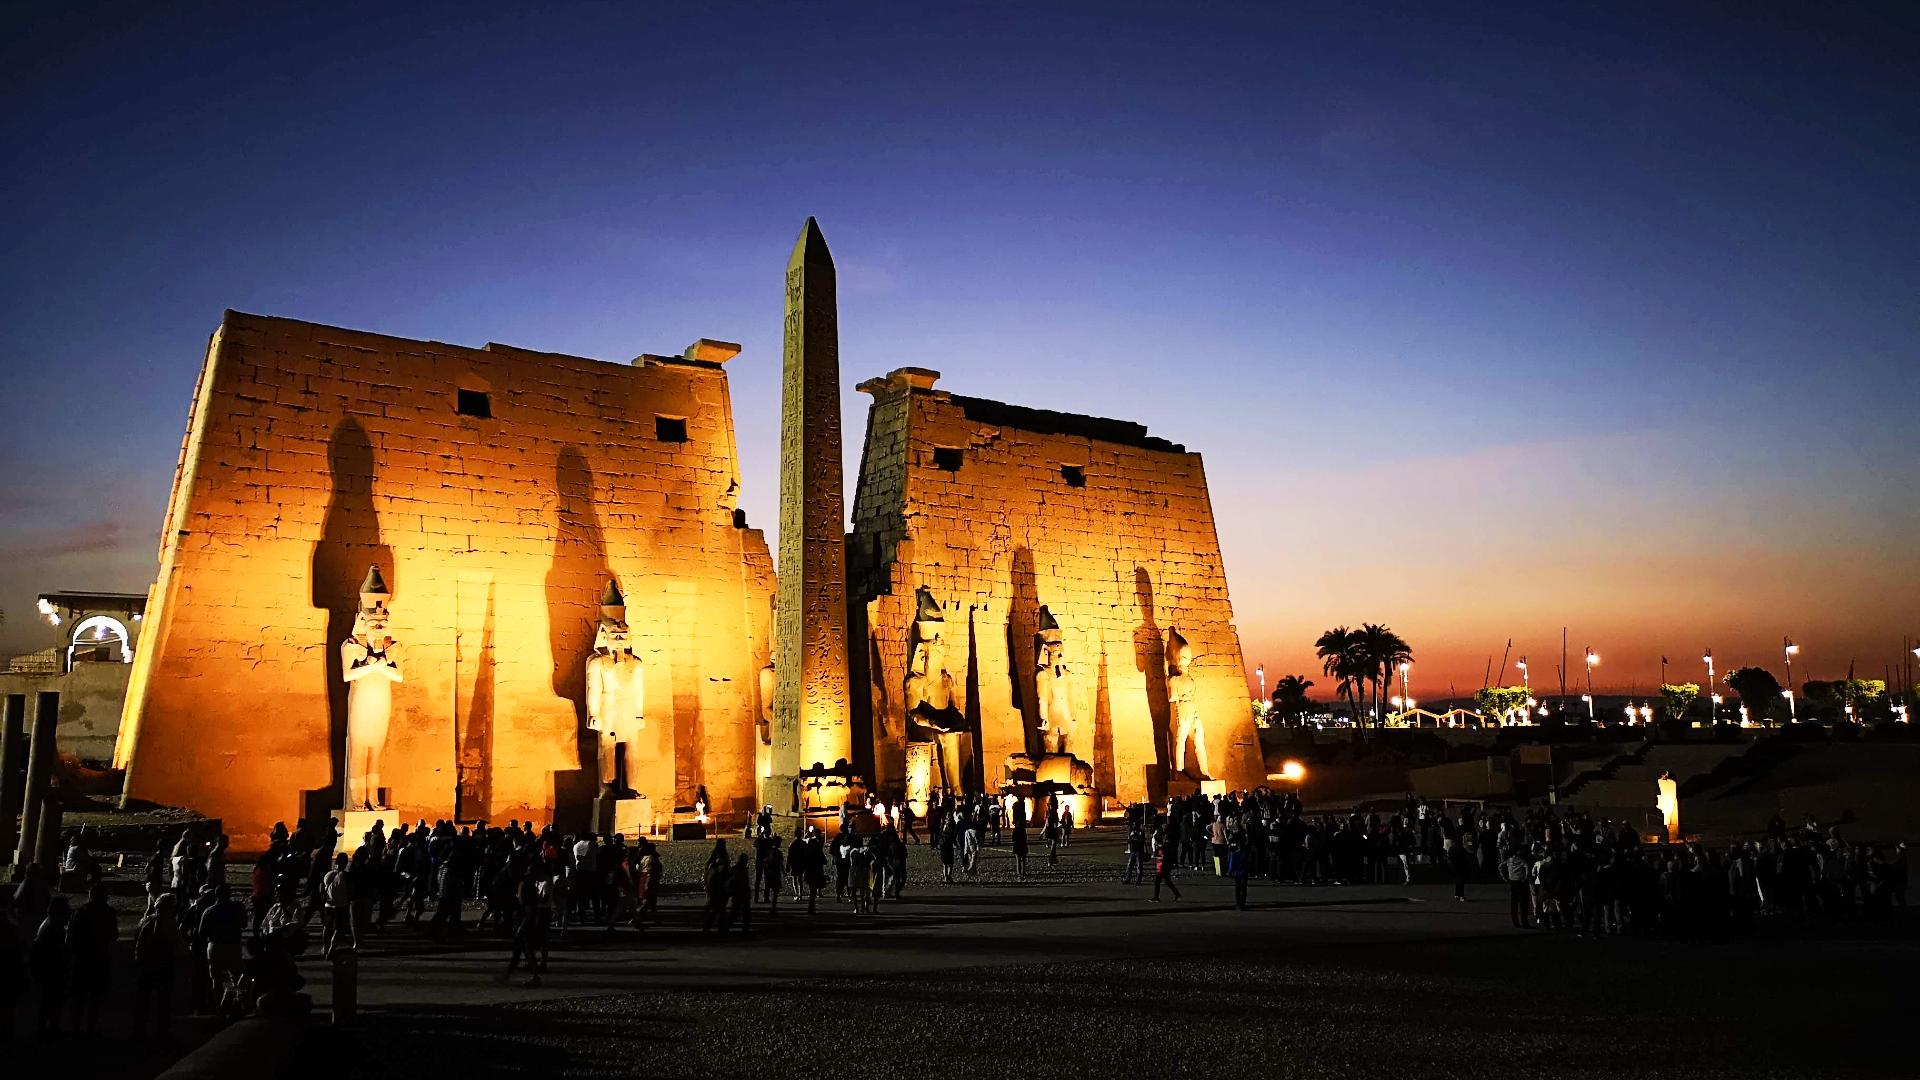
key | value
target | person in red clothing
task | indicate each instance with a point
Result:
(1163, 869)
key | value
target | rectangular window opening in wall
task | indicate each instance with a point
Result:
(947, 457)
(670, 428)
(472, 403)
(1074, 475)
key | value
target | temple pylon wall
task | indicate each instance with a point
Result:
(1000, 510)
(314, 451)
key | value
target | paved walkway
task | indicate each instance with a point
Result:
(1075, 910)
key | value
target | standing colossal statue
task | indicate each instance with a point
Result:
(1054, 691)
(1182, 717)
(616, 693)
(370, 665)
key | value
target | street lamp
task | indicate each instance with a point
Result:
(1791, 714)
(1261, 674)
(1404, 667)
(1646, 714)
(1588, 698)
(1715, 708)
(1788, 648)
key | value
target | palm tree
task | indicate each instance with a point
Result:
(1381, 652)
(1290, 700)
(1338, 650)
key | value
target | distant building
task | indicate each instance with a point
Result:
(96, 636)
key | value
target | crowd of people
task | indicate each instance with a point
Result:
(1564, 870)
(235, 948)
(192, 926)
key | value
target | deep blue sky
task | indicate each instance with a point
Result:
(1488, 319)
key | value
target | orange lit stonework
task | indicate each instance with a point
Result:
(313, 452)
(998, 510)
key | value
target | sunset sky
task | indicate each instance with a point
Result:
(1486, 324)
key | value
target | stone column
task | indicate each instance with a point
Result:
(812, 721)
(46, 846)
(40, 759)
(13, 770)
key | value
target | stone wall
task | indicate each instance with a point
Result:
(1000, 510)
(313, 451)
(91, 698)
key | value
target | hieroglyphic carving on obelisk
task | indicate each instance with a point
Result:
(811, 718)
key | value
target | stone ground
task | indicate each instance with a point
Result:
(1073, 974)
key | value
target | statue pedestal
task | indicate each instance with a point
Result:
(919, 775)
(355, 824)
(630, 815)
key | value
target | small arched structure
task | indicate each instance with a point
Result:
(99, 639)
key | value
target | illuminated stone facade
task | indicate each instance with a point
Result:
(999, 510)
(499, 490)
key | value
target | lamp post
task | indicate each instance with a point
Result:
(1261, 674)
(1646, 715)
(1592, 659)
(1791, 714)
(1588, 698)
(1788, 648)
(1404, 667)
(1526, 677)
(1714, 709)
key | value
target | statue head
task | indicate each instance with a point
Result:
(1179, 653)
(1048, 647)
(612, 635)
(929, 628)
(370, 622)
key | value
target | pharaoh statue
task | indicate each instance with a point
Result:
(765, 722)
(763, 745)
(370, 665)
(932, 702)
(1182, 717)
(1053, 690)
(616, 691)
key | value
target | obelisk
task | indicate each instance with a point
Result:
(811, 720)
